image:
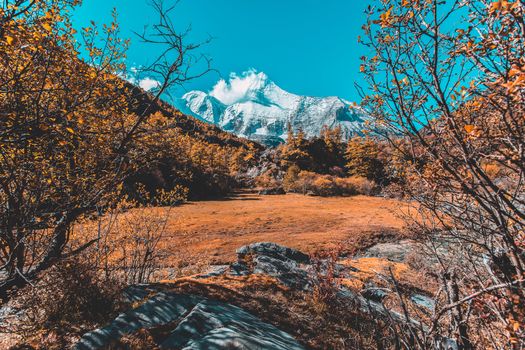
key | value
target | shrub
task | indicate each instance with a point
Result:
(129, 243)
(326, 281)
(267, 180)
(346, 186)
(291, 177)
(325, 186)
(307, 182)
(70, 298)
(359, 184)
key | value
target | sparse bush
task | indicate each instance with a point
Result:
(326, 282)
(128, 242)
(138, 254)
(70, 298)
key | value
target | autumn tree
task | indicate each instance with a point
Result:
(294, 151)
(333, 138)
(69, 128)
(362, 159)
(449, 76)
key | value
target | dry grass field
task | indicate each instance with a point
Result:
(199, 234)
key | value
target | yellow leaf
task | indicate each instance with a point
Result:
(469, 128)
(9, 39)
(498, 5)
(514, 71)
(70, 130)
(47, 27)
(386, 18)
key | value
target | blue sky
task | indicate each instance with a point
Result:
(307, 47)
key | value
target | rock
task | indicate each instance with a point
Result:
(286, 270)
(374, 293)
(272, 191)
(215, 325)
(161, 309)
(274, 260)
(214, 270)
(199, 323)
(396, 252)
(239, 268)
(424, 301)
(274, 250)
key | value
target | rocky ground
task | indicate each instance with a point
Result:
(210, 314)
(323, 284)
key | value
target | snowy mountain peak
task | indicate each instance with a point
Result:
(253, 106)
(241, 88)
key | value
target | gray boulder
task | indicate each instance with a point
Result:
(214, 325)
(199, 323)
(396, 251)
(274, 250)
(274, 260)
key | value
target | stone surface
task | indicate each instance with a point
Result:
(273, 250)
(215, 325)
(396, 251)
(274, 260)
(199, 323)
(159, 310)
(423, 300)
(373, 292)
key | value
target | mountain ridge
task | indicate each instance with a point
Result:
(252, 106)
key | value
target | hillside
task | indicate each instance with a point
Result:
(187, 123)
(196, 157)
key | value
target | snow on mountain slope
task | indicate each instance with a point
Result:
(252, 106)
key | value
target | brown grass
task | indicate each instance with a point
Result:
(199, 234)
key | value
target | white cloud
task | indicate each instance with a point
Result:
(146, 83)
(149, 83)
(237, 88)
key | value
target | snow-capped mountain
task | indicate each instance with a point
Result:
(253, 106)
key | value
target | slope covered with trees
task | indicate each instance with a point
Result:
(75, 137)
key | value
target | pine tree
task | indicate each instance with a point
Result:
(362, 159)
